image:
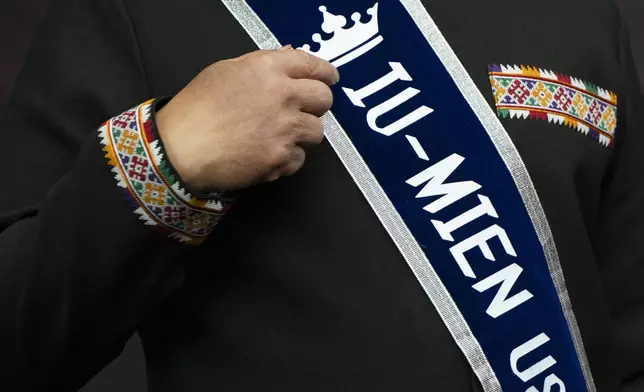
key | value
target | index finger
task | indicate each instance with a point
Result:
(301, 65)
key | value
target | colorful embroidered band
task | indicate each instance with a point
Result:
(529, 92)
(445, 180)
(136, 154)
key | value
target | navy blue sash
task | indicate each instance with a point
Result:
(444, 178)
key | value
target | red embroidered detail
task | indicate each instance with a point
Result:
(529, 92)
(140, 168)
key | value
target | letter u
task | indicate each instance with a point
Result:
(526, 348)
(392, 103)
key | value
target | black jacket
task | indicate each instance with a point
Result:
(299, 288)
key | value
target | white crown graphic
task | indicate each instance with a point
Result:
(346, 44)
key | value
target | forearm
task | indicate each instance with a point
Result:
(84, 268)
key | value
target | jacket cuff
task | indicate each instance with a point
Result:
(135, 152)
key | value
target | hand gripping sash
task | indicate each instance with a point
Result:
(445, 180)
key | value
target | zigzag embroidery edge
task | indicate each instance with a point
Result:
(529, 92)
(147, 190)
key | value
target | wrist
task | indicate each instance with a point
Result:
(181, 152)
(168, 127)
(140, 166)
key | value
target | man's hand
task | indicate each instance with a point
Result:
(248, 120)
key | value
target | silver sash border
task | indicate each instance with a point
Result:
(394, 224)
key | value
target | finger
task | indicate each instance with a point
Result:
(295, 163)
(301, 65)
(309, 130)
(312, 96)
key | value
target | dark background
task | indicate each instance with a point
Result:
(19, 20)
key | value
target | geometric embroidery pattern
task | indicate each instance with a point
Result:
(533, 93)
(136, 156)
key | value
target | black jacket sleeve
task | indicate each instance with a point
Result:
(619, 240)
(79, 269)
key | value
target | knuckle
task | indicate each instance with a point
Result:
(273, 176)
(215, 67)
(287, 88)
(315, 124)
(283, 124)
(326, 97)
(317, 130)
(279, 88)
(301, 56)
(309, 128)
(267, 60)
(244, 56)
(291, 169)
(277, 156)
(296, 162)
(261, 59)
(300, 123)
(312, 65)
(306, 61)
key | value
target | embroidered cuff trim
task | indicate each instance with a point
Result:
(140, 168)
(529, 92)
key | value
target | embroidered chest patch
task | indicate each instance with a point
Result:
(533, 93)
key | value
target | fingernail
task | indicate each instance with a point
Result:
(337, 75)
(286, 47)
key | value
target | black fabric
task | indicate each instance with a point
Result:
(300, 288)
(18, 24)
(79, 271)
(633, 13)
(621, 226)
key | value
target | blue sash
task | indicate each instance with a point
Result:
(448, 185)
